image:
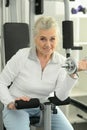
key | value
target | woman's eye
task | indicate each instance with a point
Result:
(52, 39)
(43, 39)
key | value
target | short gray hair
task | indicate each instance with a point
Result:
(45, 22)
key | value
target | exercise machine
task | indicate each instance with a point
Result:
(70, 66)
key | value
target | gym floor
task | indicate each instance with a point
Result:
(80, 126)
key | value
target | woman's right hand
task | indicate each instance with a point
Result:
(11, 105)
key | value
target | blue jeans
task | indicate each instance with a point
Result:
(19, 119)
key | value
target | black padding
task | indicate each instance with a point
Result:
(34, 120)
(58, 102)
(67, 34)
(39, 7)
(16, 36)
(32, 103)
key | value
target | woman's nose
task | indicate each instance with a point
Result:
(48, 42)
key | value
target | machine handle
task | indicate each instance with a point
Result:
(77, 48)
(58, 102)
(32, 103)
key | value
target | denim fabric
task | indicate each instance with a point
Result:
(19, 119)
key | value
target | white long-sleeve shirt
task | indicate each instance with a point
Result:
(28, 79)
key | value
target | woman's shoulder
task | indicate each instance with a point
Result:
(20, 55)
(23, 52)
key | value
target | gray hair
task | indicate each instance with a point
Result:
(45, 22)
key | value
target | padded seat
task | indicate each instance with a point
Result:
(16, 36)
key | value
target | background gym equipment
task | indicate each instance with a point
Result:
(80, 8)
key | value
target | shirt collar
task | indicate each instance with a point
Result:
(33, 55)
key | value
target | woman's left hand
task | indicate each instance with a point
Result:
(82, 65)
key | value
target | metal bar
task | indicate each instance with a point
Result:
(13, 10)
(47, 117)
(2, 60)
(67, 17)
(67, 11)
(2, 40)
(31, 20)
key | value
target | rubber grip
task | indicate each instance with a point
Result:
(58, 102)
(32, 103)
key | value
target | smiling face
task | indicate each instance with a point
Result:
(46, 41)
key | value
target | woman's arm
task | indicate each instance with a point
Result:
(7, 76)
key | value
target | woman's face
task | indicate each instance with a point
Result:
(46, 41)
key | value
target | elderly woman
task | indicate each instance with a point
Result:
(36, 72)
